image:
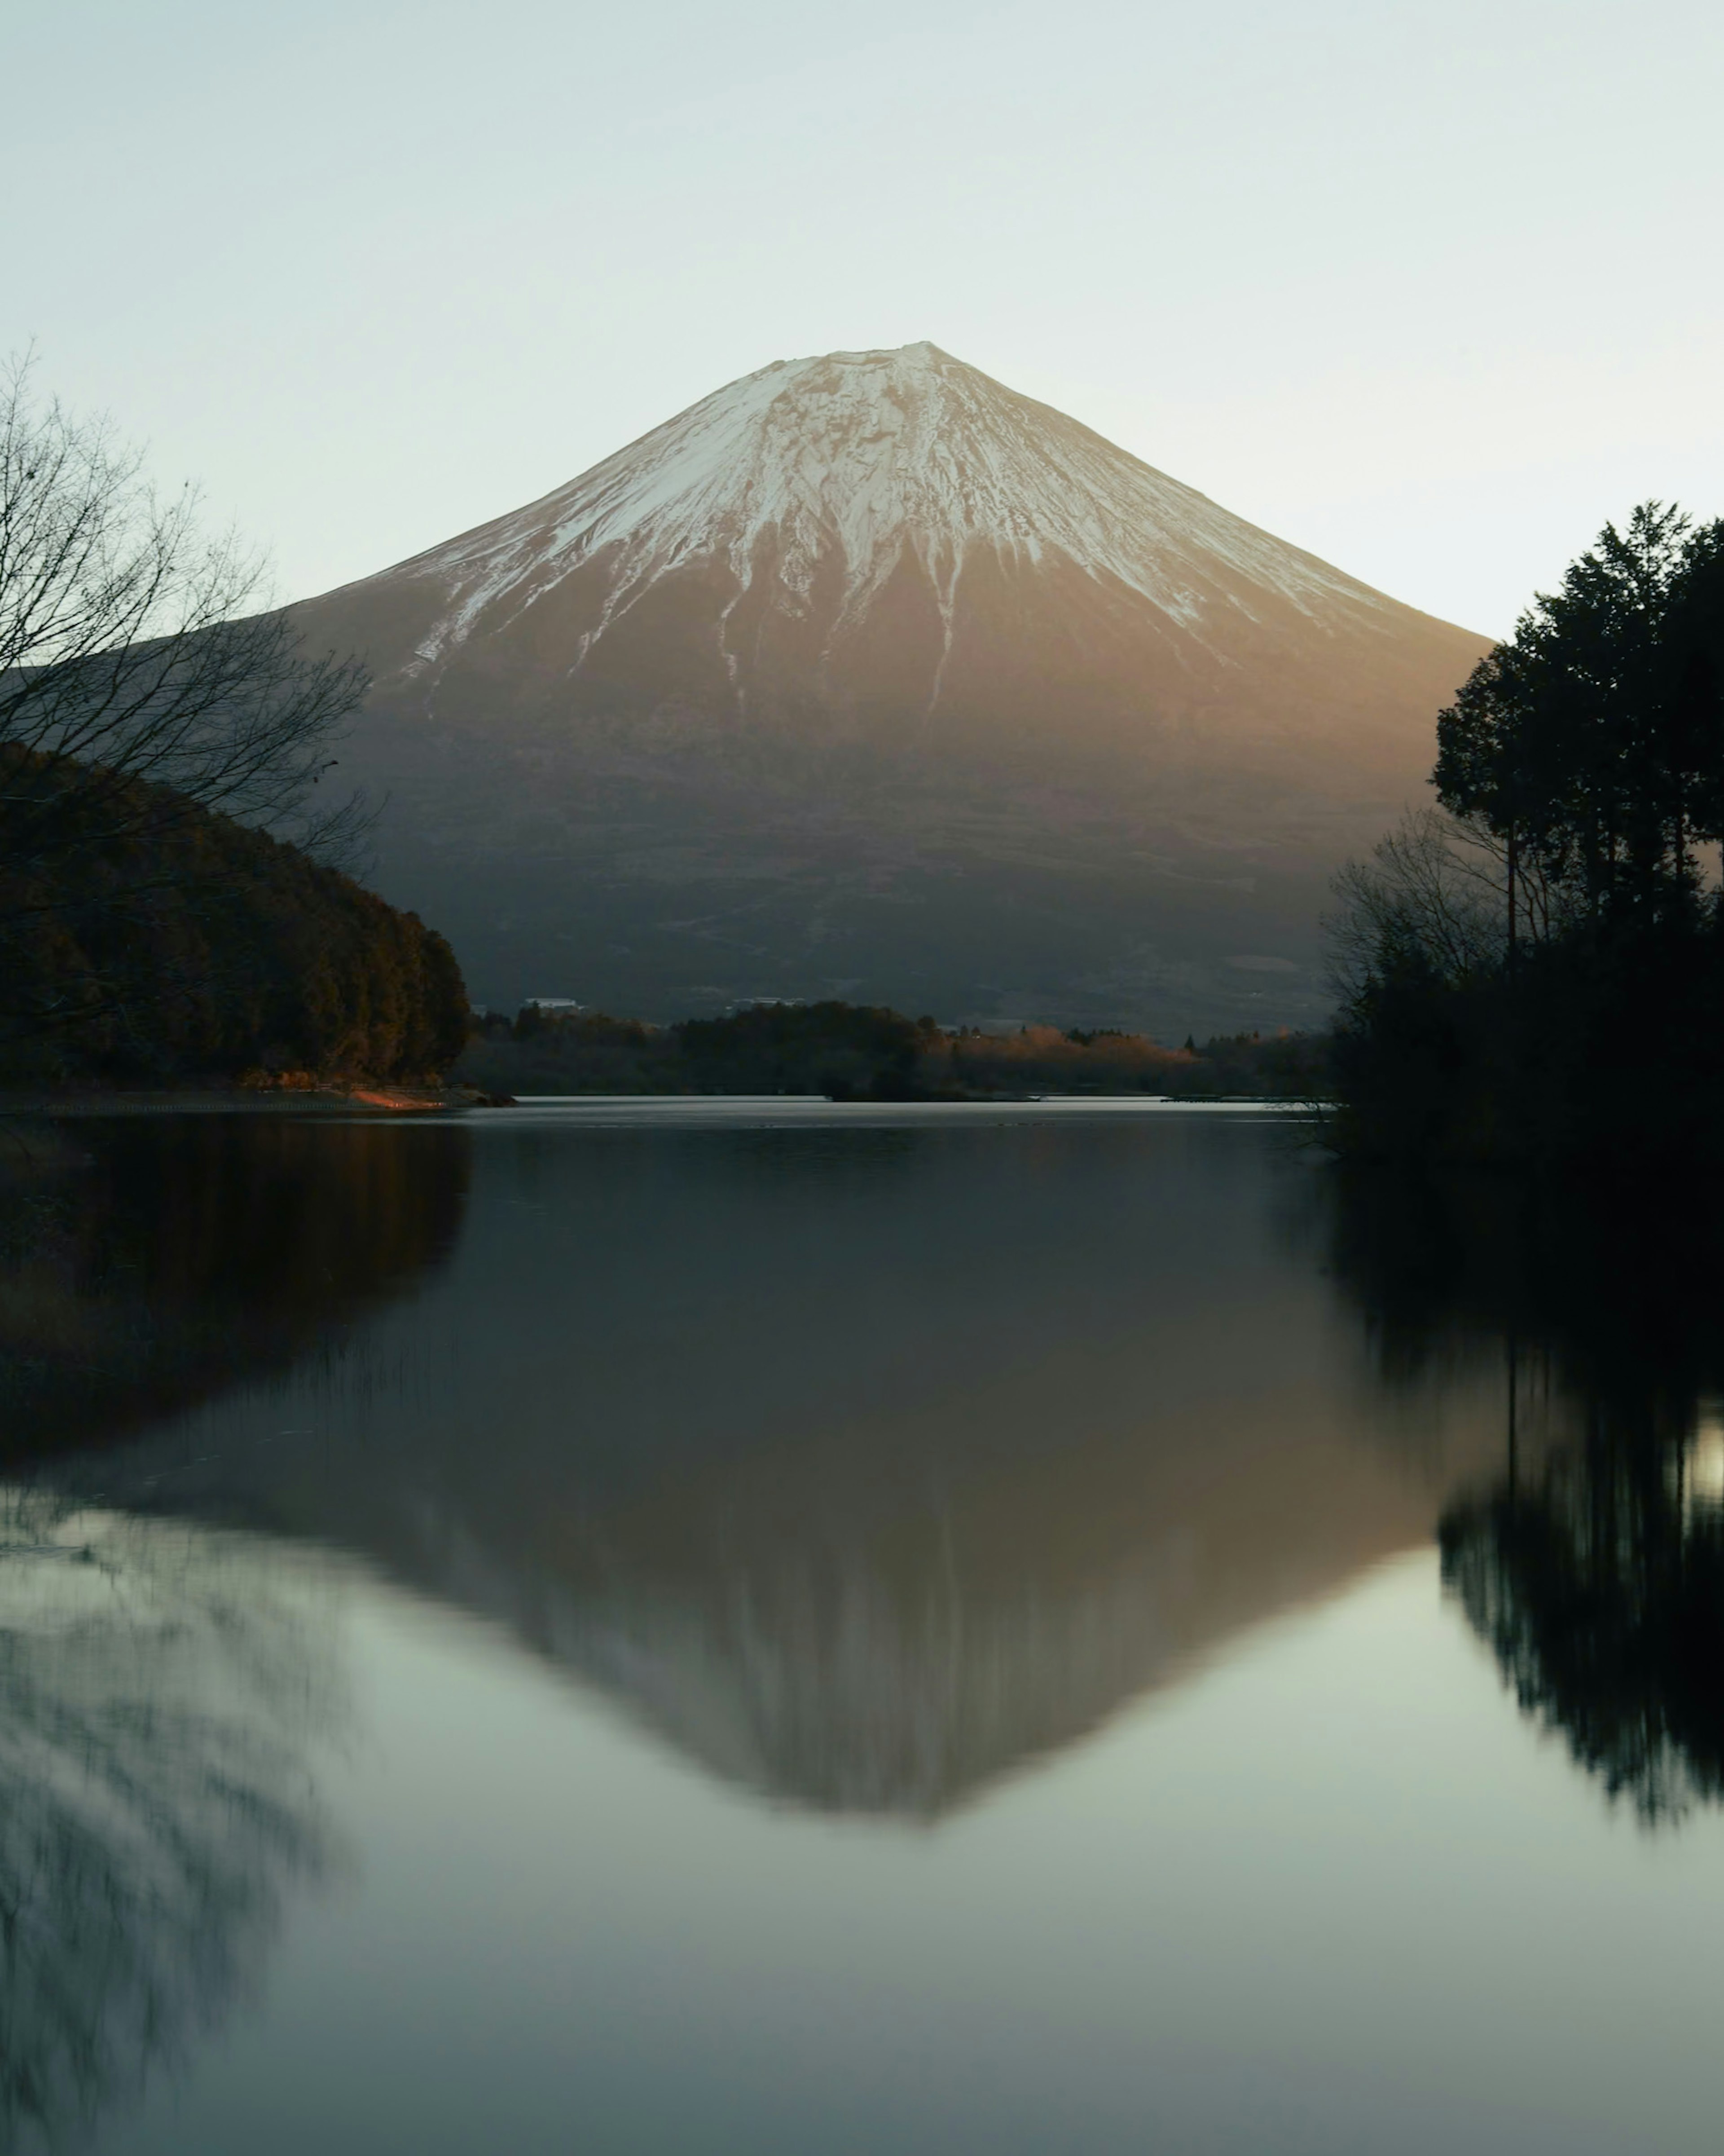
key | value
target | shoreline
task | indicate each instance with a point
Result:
(396, 1103)
(388, 1101)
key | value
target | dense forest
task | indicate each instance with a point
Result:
(1533, 971)
(848, 1051)
(156, 941)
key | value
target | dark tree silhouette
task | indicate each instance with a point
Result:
(1517, 972)
(1593, 742)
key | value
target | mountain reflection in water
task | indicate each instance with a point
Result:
(863, 1466)
(1594, 1567)
(860, 1470)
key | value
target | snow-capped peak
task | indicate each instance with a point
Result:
(856, 460)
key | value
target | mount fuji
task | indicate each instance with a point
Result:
(868, 676)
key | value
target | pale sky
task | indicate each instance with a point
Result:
(1433, 290)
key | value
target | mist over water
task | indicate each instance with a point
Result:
(778, 1629)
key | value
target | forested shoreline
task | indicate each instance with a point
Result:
(1532, 973)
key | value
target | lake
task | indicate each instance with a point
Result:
(769, 1628)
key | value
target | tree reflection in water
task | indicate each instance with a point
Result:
(146, 1263)
(1602, 1592)
(868, 1469)
(162, 1684)
(159, 1688)
(1594, 1569)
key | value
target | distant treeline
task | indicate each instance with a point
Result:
(851, 1051)
(176, 944)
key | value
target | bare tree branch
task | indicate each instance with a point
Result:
(143, 681)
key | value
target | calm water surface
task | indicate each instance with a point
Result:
(792, 1630)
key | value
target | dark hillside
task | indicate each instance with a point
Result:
(190, 946)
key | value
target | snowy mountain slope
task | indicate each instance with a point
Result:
(849, 633)
(882, 458)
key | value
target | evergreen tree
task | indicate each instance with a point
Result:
(1590, 743)
(1539, 974)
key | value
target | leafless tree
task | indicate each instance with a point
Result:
(1438, 885)
(142, 676)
